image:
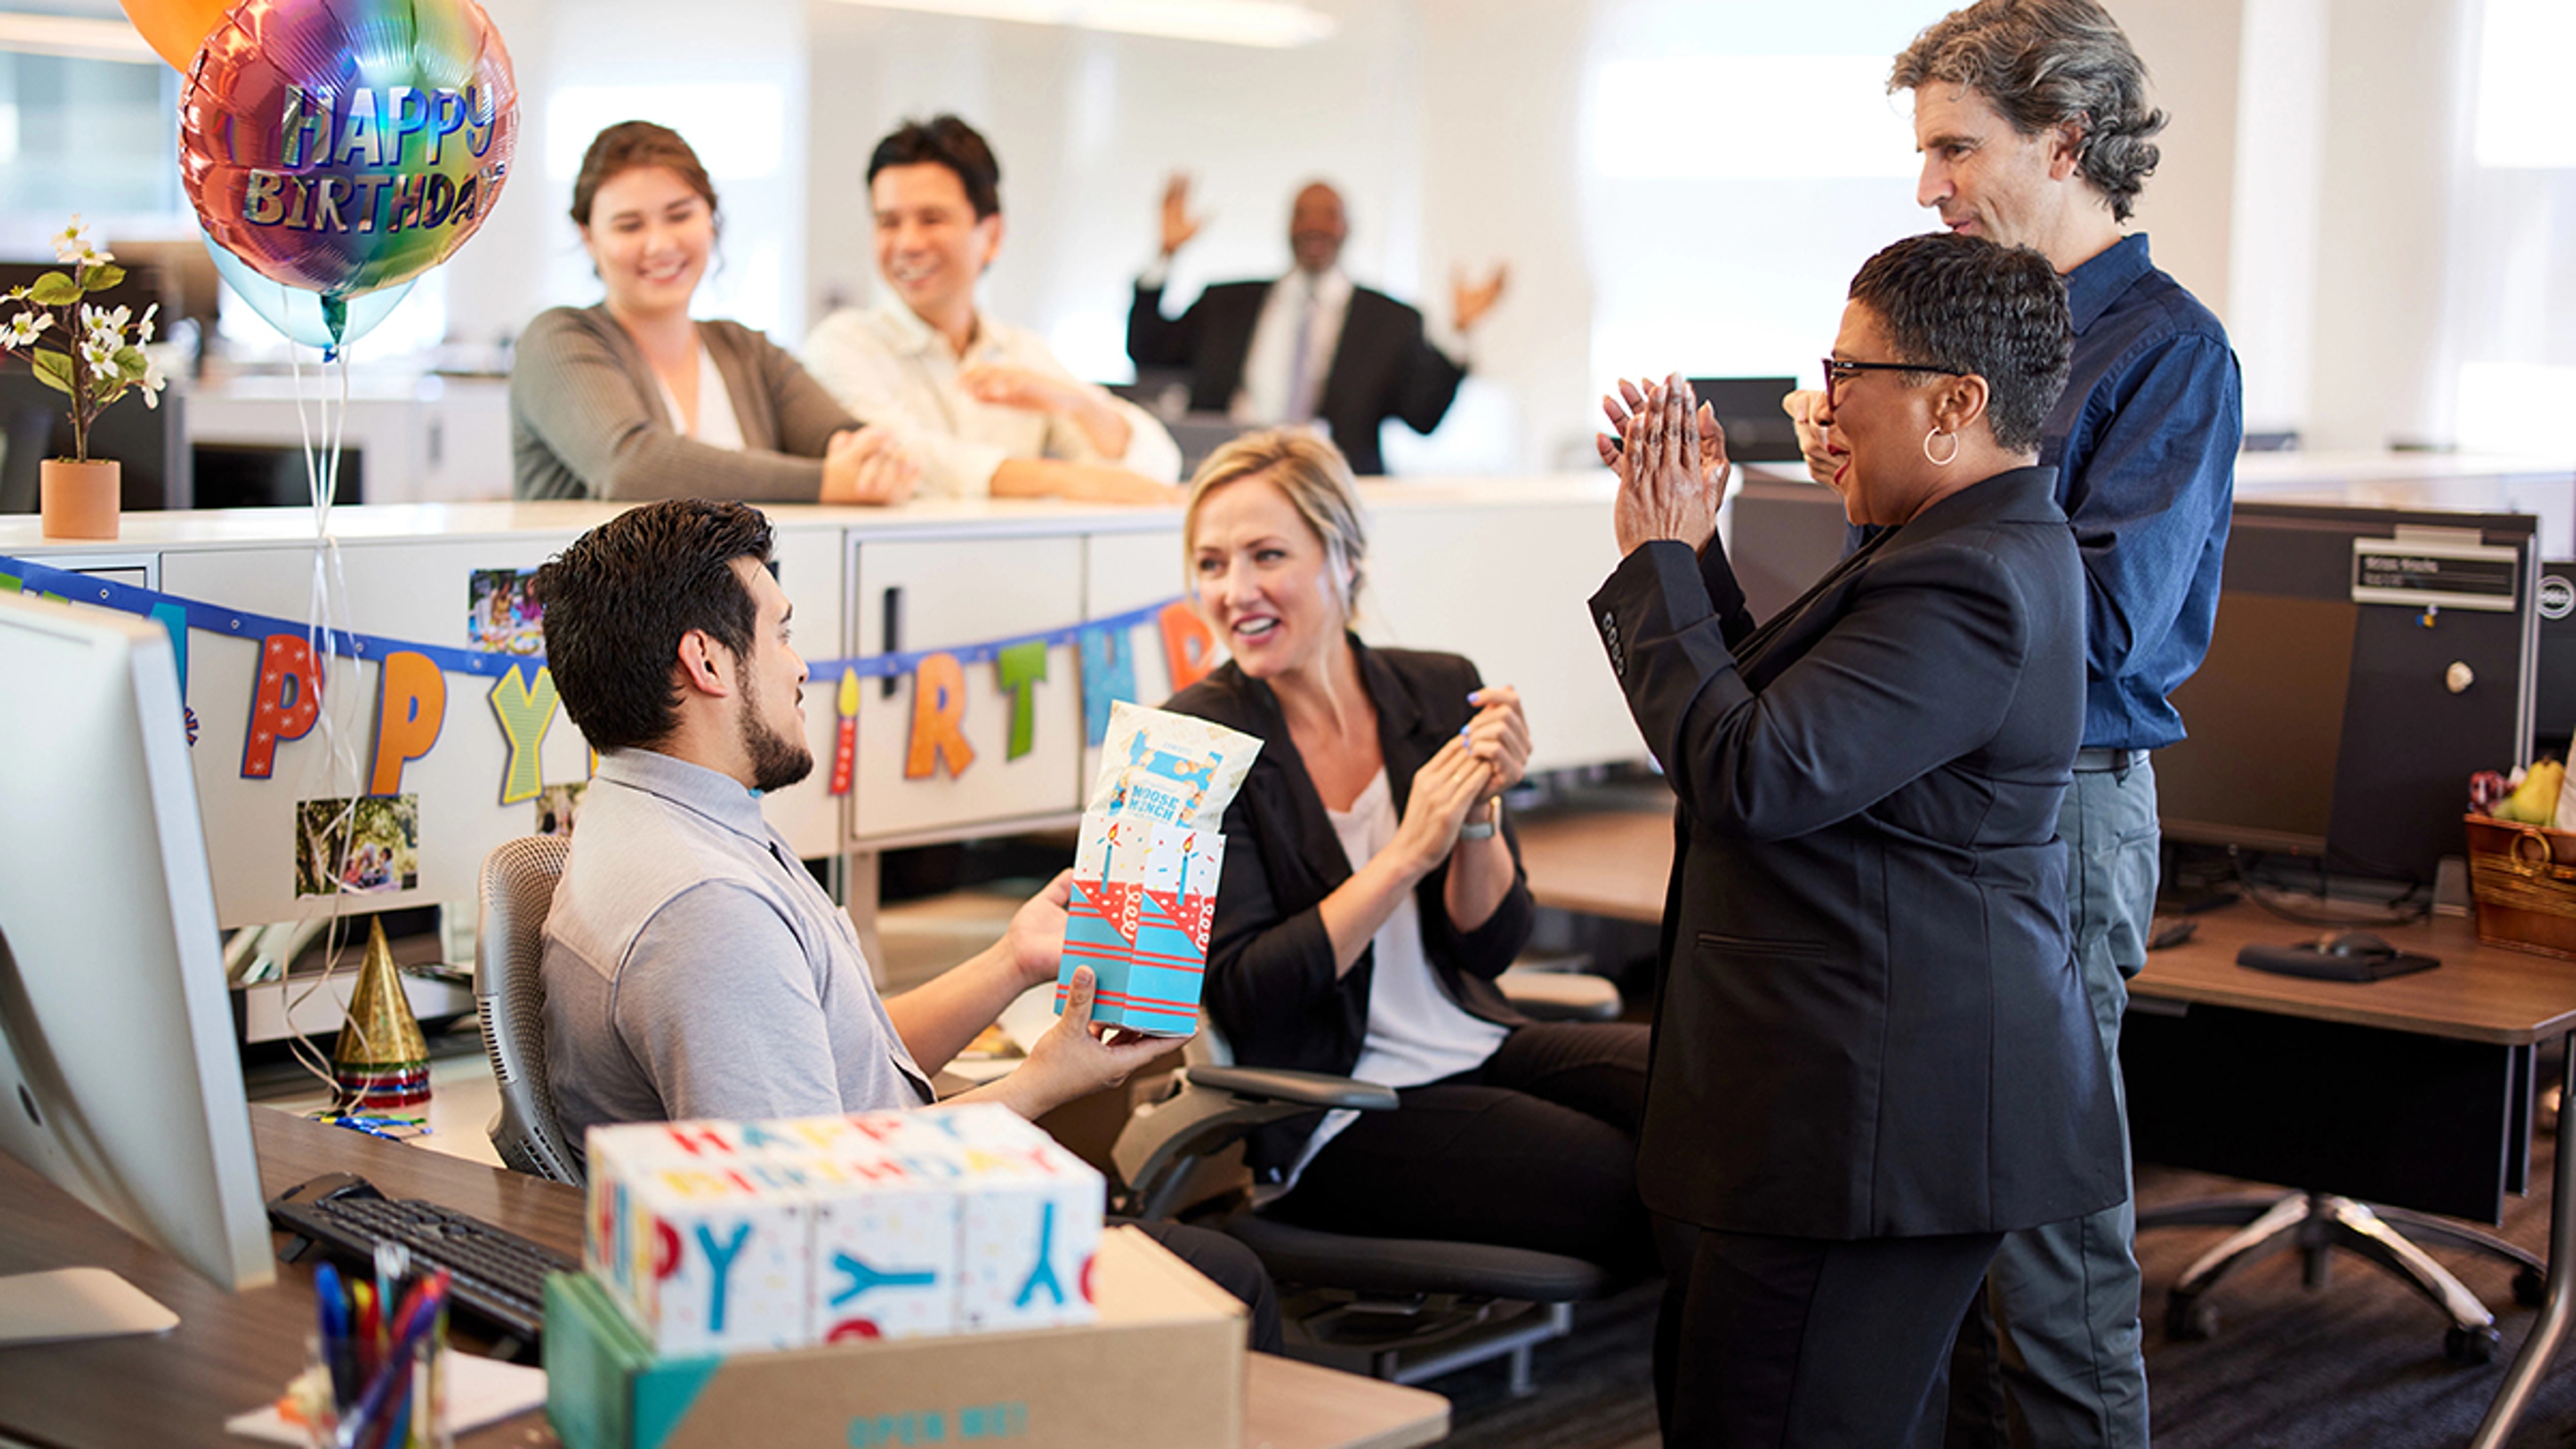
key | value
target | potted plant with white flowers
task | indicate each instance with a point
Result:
(100, 358)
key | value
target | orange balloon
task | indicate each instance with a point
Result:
(176, 28)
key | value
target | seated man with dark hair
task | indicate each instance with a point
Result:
(692, 966)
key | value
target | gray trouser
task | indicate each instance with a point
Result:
(2061, 1304)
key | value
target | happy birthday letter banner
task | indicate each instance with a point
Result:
(412, 689)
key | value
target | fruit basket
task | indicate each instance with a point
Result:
(2524, 880)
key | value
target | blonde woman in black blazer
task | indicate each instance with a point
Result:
(1873, 1054)
(1372, 893)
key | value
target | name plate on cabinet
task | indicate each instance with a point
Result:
(2446, 568)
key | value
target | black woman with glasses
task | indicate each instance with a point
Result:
(1873, 1055)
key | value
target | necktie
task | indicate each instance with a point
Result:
(1303, 375)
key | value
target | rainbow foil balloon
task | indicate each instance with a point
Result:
(341, 146)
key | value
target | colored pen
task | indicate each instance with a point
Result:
(338, 1355)
(375, 1406)
(364, 1327)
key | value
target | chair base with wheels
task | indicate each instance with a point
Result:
(2316, 1224)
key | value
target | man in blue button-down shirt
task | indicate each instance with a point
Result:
(2033, 123)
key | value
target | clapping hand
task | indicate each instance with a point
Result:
(1499, 735)
(1801, 408)
(1670, 456)
(1448, 785)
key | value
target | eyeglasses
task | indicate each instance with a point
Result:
(1838, 372)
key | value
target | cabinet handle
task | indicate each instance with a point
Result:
(890, 639)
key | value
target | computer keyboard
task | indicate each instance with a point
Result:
(499, 1276)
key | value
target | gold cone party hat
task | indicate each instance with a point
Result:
(382, 1060)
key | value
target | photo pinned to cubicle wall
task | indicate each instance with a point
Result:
(364, 846)
(556, 805)
(502, 613)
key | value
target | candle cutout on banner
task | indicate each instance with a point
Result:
(526, 709)
(1189, 650)
(1022, 667)
(411, 708)
(845, 748)
(938, 719)
(1108, 676)
(284, 702)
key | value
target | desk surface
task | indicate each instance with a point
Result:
(230, 1352)
(1616, 863)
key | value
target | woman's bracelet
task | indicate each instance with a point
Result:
(1484, 829)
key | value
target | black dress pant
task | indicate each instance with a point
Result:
(1536, 1148)
(1781, 1343)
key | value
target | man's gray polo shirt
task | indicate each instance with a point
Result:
(694, 969)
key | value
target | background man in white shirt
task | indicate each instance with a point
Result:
(986, 406)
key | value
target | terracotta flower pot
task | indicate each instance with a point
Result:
(80, 499)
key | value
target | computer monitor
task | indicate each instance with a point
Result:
(1757, 429)
(118, 1075)
(2365, 663)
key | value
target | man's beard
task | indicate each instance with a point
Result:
(777, 760)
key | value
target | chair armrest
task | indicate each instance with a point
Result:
(1305, 1089)
(1213, 1107)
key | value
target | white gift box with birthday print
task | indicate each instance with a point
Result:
(1031, 1230)
(887, 1235)
(727, 1254)
(617, 1246)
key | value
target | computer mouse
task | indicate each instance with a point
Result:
(2355, 944)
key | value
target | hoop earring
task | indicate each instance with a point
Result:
(1927, 449)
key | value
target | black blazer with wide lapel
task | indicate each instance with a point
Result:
(1270, 982)
(1870, 1022)
(1383, 366)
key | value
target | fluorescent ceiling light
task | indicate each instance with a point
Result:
(1275, 24)
(72, 36)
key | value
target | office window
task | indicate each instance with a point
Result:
(1739, 163)
(92, 136)
(2522, 60)
(2512, 303)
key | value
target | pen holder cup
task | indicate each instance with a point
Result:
(2523, 878)
(416, 1406)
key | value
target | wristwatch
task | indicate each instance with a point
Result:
(1484, 829)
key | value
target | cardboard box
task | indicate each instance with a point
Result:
(1162, 1368)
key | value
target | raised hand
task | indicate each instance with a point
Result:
(1178, 225)
(1470, 301)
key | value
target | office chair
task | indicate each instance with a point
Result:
(518, 888)
(2316, 1224)
(1416, 1309)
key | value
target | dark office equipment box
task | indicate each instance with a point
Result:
(2524, 880)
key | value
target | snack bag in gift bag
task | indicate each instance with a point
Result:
(1145, 871)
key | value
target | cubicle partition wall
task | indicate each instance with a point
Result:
(1497, 570)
